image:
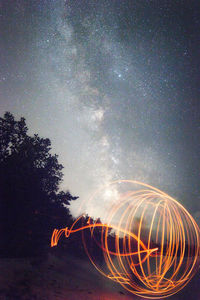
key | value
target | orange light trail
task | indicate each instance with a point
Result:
(150, 243)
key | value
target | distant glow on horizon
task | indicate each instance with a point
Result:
(110, 194)
(156, 241)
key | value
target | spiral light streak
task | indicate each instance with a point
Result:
(150, 243)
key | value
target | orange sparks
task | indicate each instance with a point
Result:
(149, 242)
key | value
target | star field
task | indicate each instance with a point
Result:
(113, 84)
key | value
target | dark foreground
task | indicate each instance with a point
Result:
(67, 278)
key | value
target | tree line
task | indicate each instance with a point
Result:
(31, 203)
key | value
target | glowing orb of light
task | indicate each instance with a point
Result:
(150, 243)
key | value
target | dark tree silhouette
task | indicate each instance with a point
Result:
(31, 205)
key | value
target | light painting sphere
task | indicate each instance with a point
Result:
(150, 243)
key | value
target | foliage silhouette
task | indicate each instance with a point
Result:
(31, 205)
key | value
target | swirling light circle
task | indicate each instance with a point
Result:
(150, 243)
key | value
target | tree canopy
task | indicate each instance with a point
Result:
(31, 204)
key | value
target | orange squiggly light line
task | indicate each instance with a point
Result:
(156, 241)
(57, 234)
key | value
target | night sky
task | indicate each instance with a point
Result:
(115, 86)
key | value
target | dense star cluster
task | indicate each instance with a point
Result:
(113, 84)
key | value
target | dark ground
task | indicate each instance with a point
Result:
(67, 278)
